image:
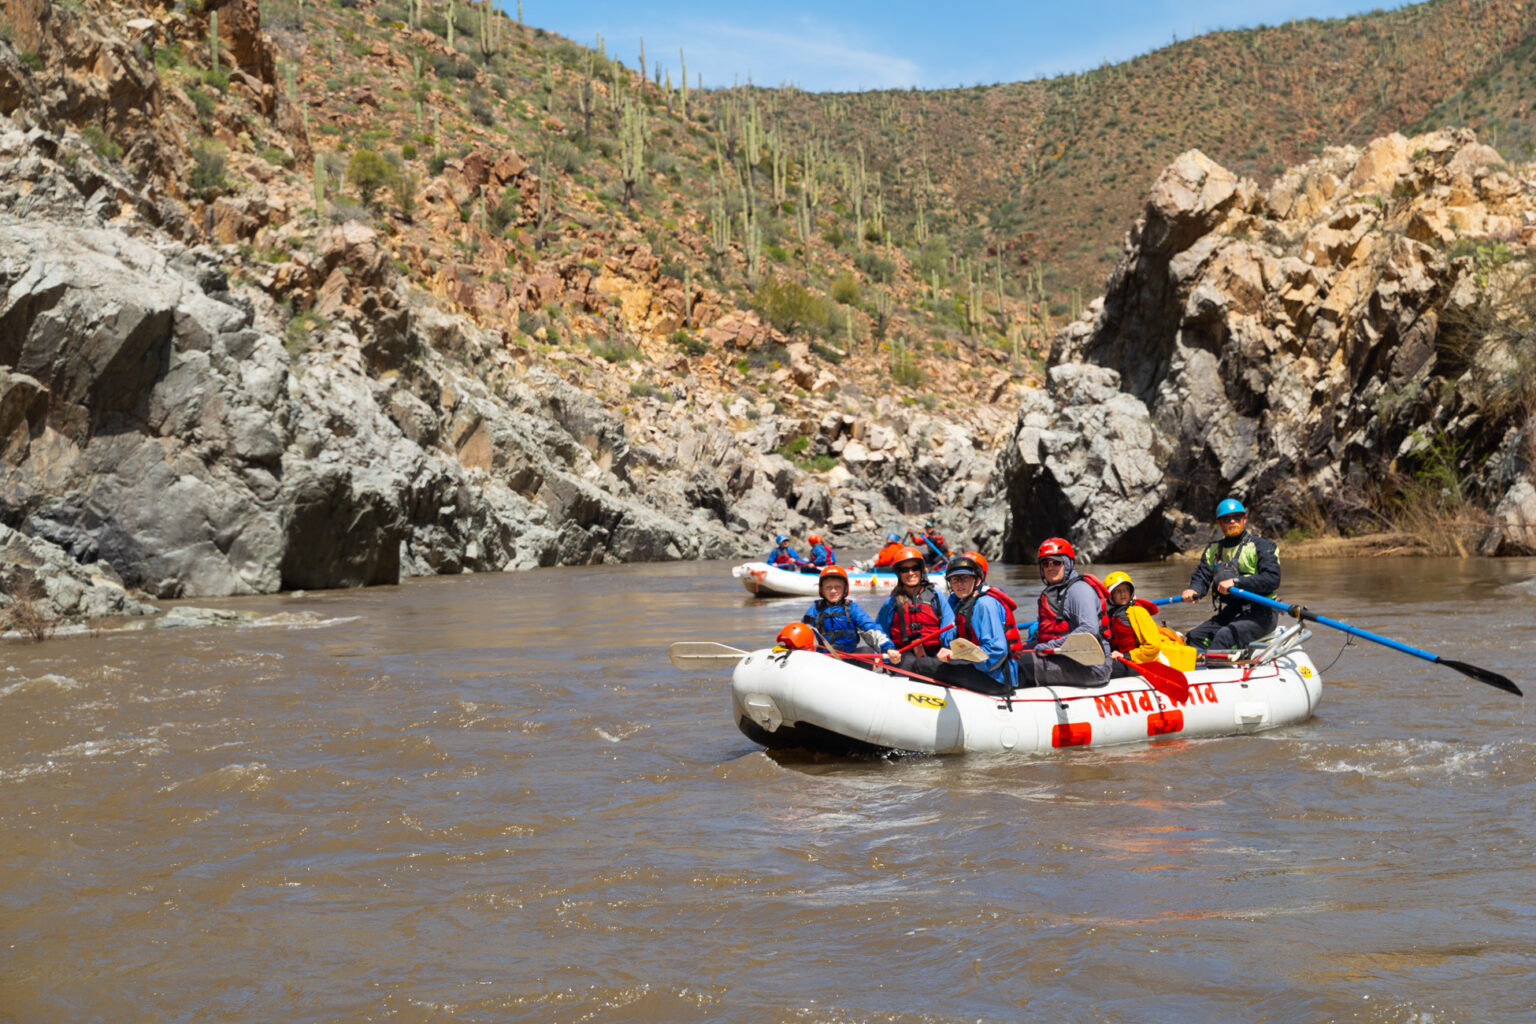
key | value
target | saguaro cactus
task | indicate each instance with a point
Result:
(632, 149)
(213, 41)
(719, 233)
(490, 31)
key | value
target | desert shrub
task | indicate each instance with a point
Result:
(904, 368)
(104, 145)
(612, 349)
(790, 306)
(565, 157)
(27, 613)
(817, 463)
(845, 288)
(509, 207)
(205, 105)
(207, 179)
(690, 344)
(369, 172)
(876, 267)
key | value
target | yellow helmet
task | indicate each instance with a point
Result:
(1114, 579)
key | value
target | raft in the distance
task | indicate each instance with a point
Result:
(766, 580)
(809, 701)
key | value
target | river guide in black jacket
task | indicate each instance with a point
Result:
(1239, 559)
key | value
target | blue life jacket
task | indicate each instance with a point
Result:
(835, 623)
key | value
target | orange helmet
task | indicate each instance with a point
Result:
(796, 636)
(814, 538)
(908, 555)
(977, 557)
(834, 570)
(1058, 548)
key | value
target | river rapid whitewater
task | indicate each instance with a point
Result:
(492, 798)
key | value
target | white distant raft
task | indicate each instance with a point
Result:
(809, 701)
(766, 580)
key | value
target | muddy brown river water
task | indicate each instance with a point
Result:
(491, 798)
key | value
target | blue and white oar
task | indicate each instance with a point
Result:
(1482, 675)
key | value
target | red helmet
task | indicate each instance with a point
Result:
(977, 557)
(908, 555)
(814, 538)
(796, 636)
(1056, 547)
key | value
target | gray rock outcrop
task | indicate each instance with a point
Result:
(1298, 347)
(159, 420)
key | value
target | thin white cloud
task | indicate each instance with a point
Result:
(810, 54)
(817, 56)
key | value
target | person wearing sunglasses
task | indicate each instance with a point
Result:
(1238, 559)
(1070, 602)
(917, 621)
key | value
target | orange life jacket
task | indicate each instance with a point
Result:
(888, 553)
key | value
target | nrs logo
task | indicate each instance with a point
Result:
(924, 700)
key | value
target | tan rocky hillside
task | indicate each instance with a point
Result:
(221, 375)
(1351, 349)
(1049, 172)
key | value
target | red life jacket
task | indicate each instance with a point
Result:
(1010, 621)
(1053, 621)
(918, 617)
(1121, 636)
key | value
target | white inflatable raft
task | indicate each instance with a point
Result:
(810, 701)
(766, 580)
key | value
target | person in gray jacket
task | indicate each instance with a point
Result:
(1069, 604)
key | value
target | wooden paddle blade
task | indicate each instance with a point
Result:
(962, 649)
(704, 654)
(1083, 649)
(1483, 675)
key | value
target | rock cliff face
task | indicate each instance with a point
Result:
(161, 430)
(1367, 315)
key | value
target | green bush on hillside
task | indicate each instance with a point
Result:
(791, 306)
(105, 146)
(369, 172)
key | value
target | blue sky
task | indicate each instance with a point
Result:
(864, 44)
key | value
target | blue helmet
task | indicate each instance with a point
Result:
(781, 539)
(892, 538)
(1229, 506)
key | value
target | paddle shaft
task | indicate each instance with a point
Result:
(937, 554)
(1482, 675)
(885, 666)
(1301, 612)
